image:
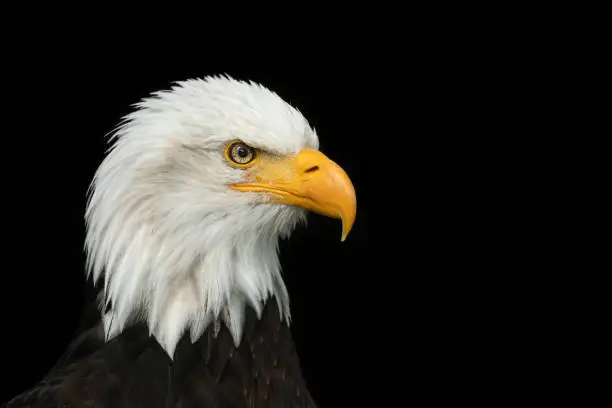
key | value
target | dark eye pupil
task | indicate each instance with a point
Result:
(243, 152)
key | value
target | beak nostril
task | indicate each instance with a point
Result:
(313, 168)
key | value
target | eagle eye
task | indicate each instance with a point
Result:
(240, 154)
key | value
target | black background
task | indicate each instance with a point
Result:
(422, 299)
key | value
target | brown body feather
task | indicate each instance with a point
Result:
(132, 371)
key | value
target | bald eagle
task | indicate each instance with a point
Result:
(183, 219)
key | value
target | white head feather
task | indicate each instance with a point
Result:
(177, 247)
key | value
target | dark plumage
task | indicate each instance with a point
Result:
(132, 370)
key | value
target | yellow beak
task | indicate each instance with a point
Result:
(309, 180)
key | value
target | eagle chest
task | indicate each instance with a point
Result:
(263, 371)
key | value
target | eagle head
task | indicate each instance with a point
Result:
(186, 210)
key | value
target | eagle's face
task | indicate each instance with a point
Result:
(187, 208)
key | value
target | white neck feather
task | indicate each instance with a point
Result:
(216, 286)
